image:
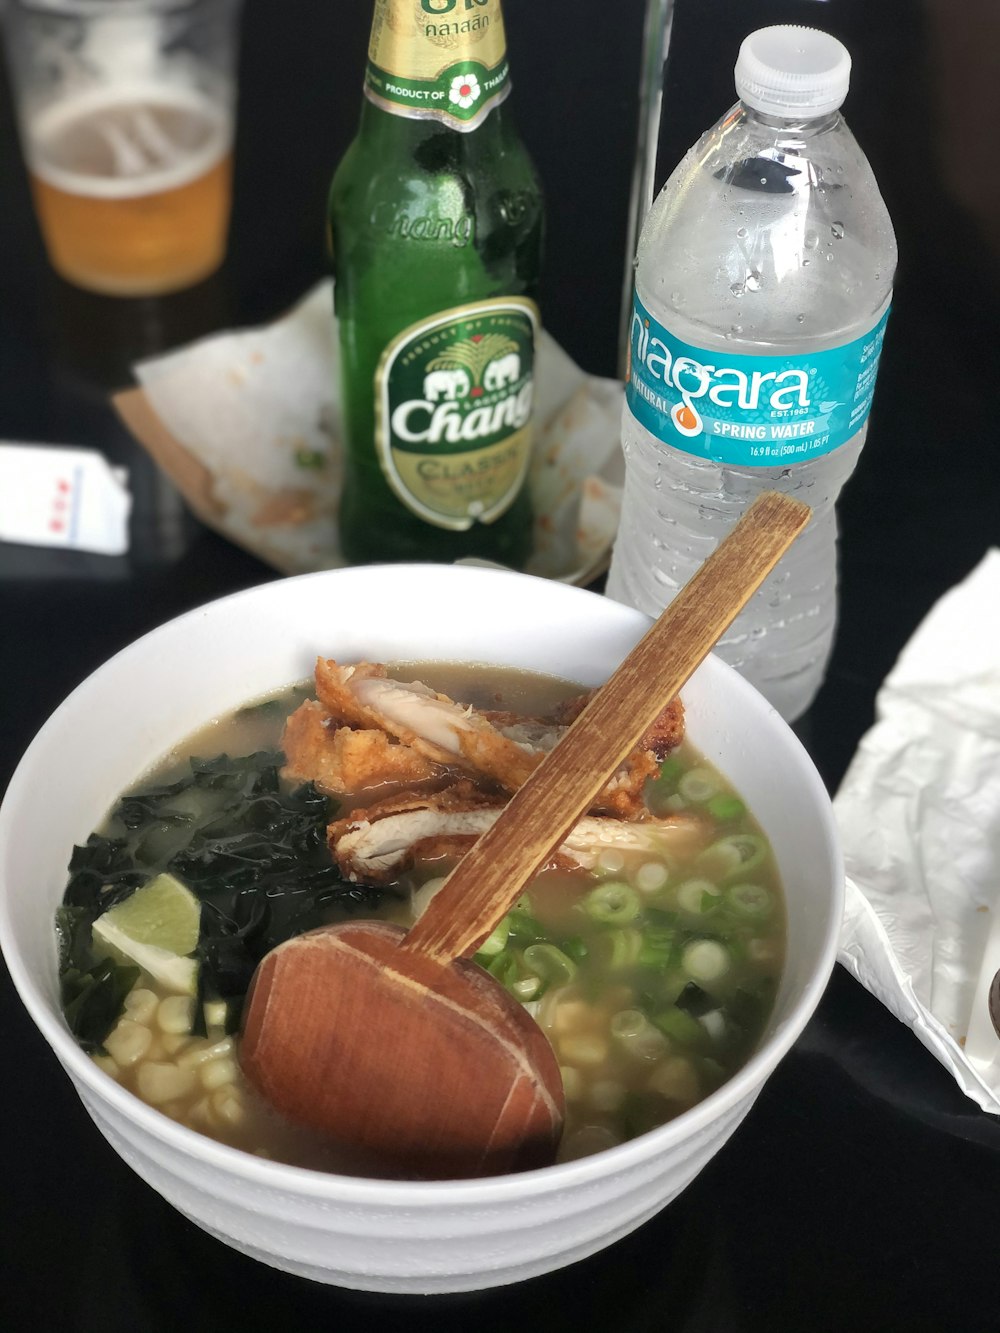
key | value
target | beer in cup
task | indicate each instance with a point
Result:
(126, 118)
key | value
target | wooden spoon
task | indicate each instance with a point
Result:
(390, 1041)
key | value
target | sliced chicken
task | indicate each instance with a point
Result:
(440, 729)
(506, 750)
(377, 844)
(339, 759)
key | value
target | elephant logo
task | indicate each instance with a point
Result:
(473, 366)
(502, 371)
(449, 383)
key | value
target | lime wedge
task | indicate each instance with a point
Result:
(155, 929)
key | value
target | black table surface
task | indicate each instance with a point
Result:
(863, 1190)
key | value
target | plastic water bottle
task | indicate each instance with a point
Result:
(763, 283)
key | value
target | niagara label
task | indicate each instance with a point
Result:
(453, 397)
(749, 410)
(438, 59)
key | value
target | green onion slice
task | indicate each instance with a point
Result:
(706, 960)
(698, 896)
(725, 806)
(504, 968)
(527, 988)
(680, 1027)
(496, 941)
(623, 947)
(750, 900)
(699, 784)
(549, 963)
(732, 855)
(613, 903)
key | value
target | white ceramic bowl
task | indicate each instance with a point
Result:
(373, 1234)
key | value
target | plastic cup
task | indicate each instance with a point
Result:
(126, 111)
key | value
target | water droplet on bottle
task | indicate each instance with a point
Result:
(805, 262)
(800, 318)
(837, 231)
(753, 283)
(828, 258)
(741, 231)
(734, 330)
(877, 275)
(811, 240)
(763, 180)
(737, 288)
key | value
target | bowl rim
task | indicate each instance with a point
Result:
(192, 1145)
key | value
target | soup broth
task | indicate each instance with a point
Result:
(652, 966)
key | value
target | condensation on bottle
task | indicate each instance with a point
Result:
(763, 283)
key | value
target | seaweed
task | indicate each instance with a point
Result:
(255, 854)
(92, 991)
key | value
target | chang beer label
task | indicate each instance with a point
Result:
(453, 411)
(440, 60)
(749, 410)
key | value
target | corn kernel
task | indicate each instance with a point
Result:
(606, 1095)
(677, 1080)
(569, 1016)
(140, 1005)
(161, 1083)
(128, 1042)
(201, 1112)
(173, 1043)
(176, 1015)
(572, 1082)
(228, 1106)
(217, 1073)
(201, 1052)
(583, 1050)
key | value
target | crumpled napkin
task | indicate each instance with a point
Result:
(246, 425)
(919, 814)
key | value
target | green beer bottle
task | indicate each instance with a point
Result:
(436, 232)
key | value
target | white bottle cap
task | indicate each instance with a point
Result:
(791, 71)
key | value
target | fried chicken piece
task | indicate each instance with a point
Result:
(624, 797)
(377, 844)
(664, 735)
(338, 759)
(667, 731)
(450, 733)
(440, 729)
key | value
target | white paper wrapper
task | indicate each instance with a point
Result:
(919, 812)
(257, 410)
